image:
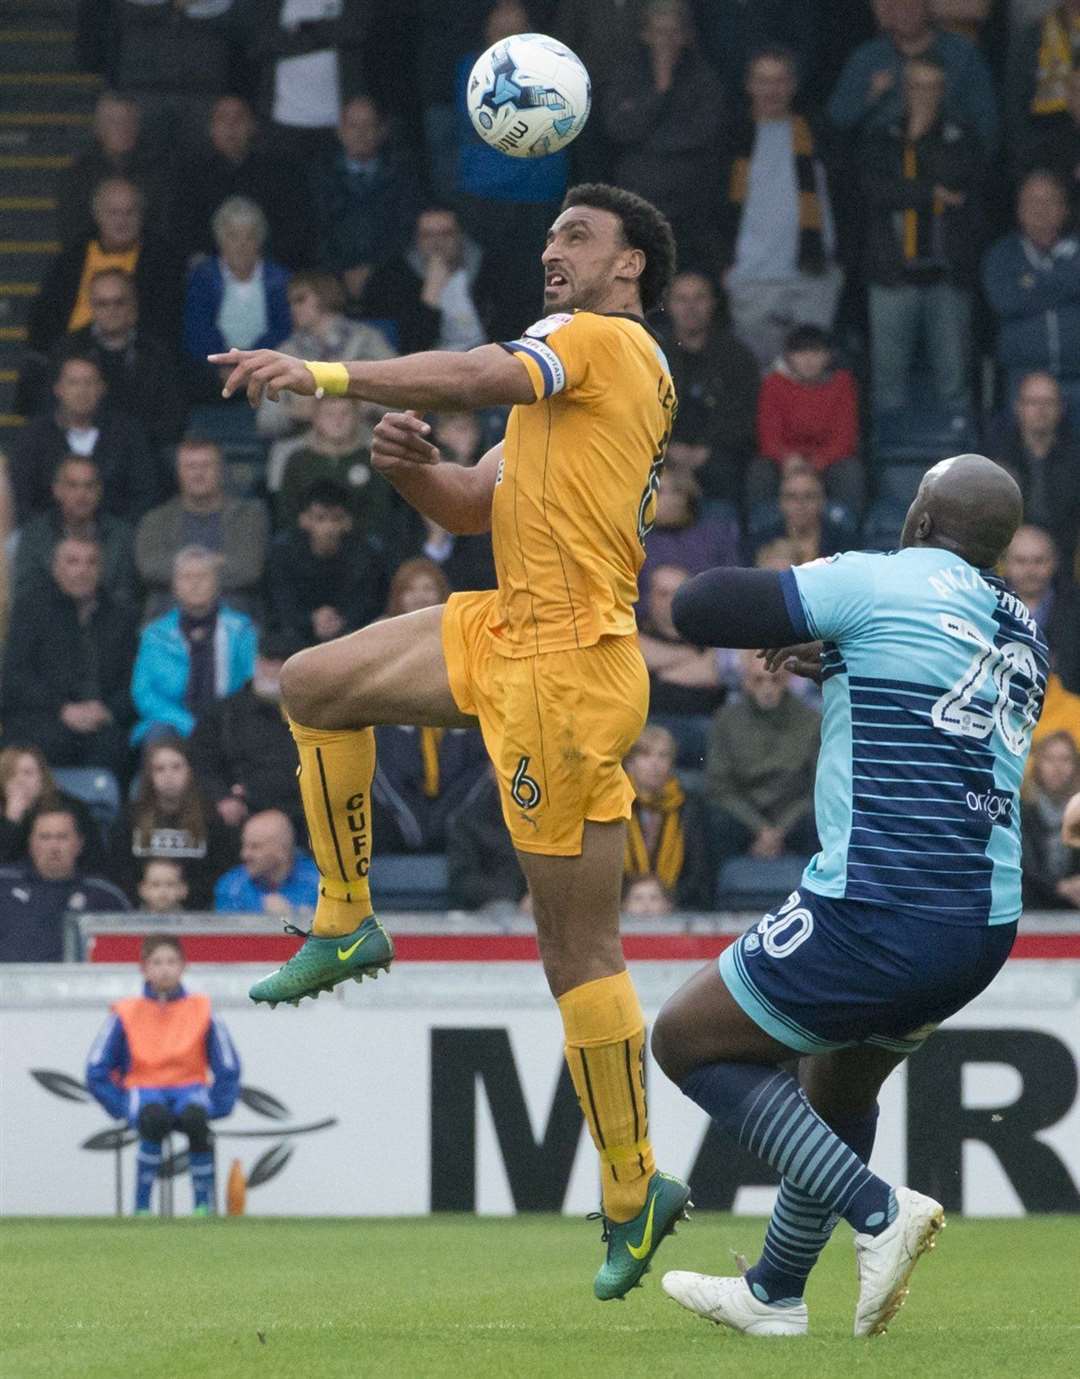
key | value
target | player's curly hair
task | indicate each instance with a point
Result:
(644, 228)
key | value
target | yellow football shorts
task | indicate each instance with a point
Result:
(556, 726)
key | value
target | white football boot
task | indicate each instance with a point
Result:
(729, 1302)
(886, 1260)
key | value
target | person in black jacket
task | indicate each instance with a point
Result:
(67, 674)
(1051, 866)
(481, 864)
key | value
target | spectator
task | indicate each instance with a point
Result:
(337, 447)
(1040, 450)
(76, 511)
(119, 240)
(1055, 144)
(241, 748)
(171, 819)
(506, 204)
(645, 897)
(779, 235)
(1041, 66)
(320, 331)
(1030, 566)
(680, 536)
(1051, 867)
(664, 114)
(921, 178)
(732, 31)
(1031, 278)
(323, 579)
(760, 767)
(365, 198)
(67, 674)
(162, 888)
(118, 150)
(804, 519)
(683, 679)
(237, 299)
(666, 837)
(37, 894)
(203, 514)
(82, 423)
(198, 652)
(422, 776)
(808, 413)
(416, 584)
(27, 784)
(233, 161)
(274, 877)
(481, 865)
(438, 292)
(163, 1063)
(868, 94)
(716, 380)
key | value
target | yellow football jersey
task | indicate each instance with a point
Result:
(576, 493)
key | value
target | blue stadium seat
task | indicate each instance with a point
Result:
(98, 789)
(747, 883)
(924, 431)
(882, 525)
(898, 482)
(409, 881)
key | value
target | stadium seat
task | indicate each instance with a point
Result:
(750, 883)
(882, 525)
(925, 431)
(98, 789)
(409, 881)
(898, 483)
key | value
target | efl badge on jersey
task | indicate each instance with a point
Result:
(550, 323)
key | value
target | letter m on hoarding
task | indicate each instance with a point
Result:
(538, 1173)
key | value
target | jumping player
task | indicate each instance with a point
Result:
(933, 680)
(548, 663)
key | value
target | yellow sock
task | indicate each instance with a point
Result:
(336, 769)
(605, 1050)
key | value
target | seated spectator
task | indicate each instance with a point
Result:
(869, 92)
(1032, 281)
(162, 888)
(664, 116)
(437, 292)
(169, 818)
(415, 584)
(1060, 712)
(1041, 65)
(1054, 144)
(760, 767)
(234, 161)
(164, 1063)
(921, 179)
(683, 679)
(76, 511)
(242, 751)
(337, 447)
(273, 877)
(196, 653)
(1040, 449)
(482, 869)
(645, 897)
(27, 784)
(1030, 568)
(466, 561)
(804, 520)
(35, 895)
(203, 514)
(365, 197)
(666, 838)
(1051, 867)
(716, 379)
(82, 423)
(236, 299)
(66, 682)
(323, 580)
(808, 413)
(681, 536)
(320, 331)
(117, 150)
(119, 240)
(779, 239)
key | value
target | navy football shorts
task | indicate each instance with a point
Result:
(822, 974)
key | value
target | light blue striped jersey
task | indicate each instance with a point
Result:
(934, 678)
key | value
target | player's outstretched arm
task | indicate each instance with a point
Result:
(436, 380)
(457, 498)
(737, 608)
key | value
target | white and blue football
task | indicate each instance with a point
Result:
(528, 95)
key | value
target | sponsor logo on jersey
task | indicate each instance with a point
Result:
(550, 323)
(993, 804)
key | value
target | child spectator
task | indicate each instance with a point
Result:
(666, 837)
(163, 1062)
(1051, 867)
(645, 897)
(162, 890)
(808, 410)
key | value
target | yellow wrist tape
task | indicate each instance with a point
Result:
(331, 380)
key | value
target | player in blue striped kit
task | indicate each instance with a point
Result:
(933, 676)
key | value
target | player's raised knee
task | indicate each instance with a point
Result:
(667, 1045)
(305, 692)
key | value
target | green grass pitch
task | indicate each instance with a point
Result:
(464, 1298)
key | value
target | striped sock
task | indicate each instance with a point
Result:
(147, 1163)
(202, 1176)
(767, 1112)
(799, 1228)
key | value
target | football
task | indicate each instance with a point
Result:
(528, 95)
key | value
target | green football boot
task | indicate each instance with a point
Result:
(324, 962)
(632, 1244)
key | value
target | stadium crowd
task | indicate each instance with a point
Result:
(876, 211)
